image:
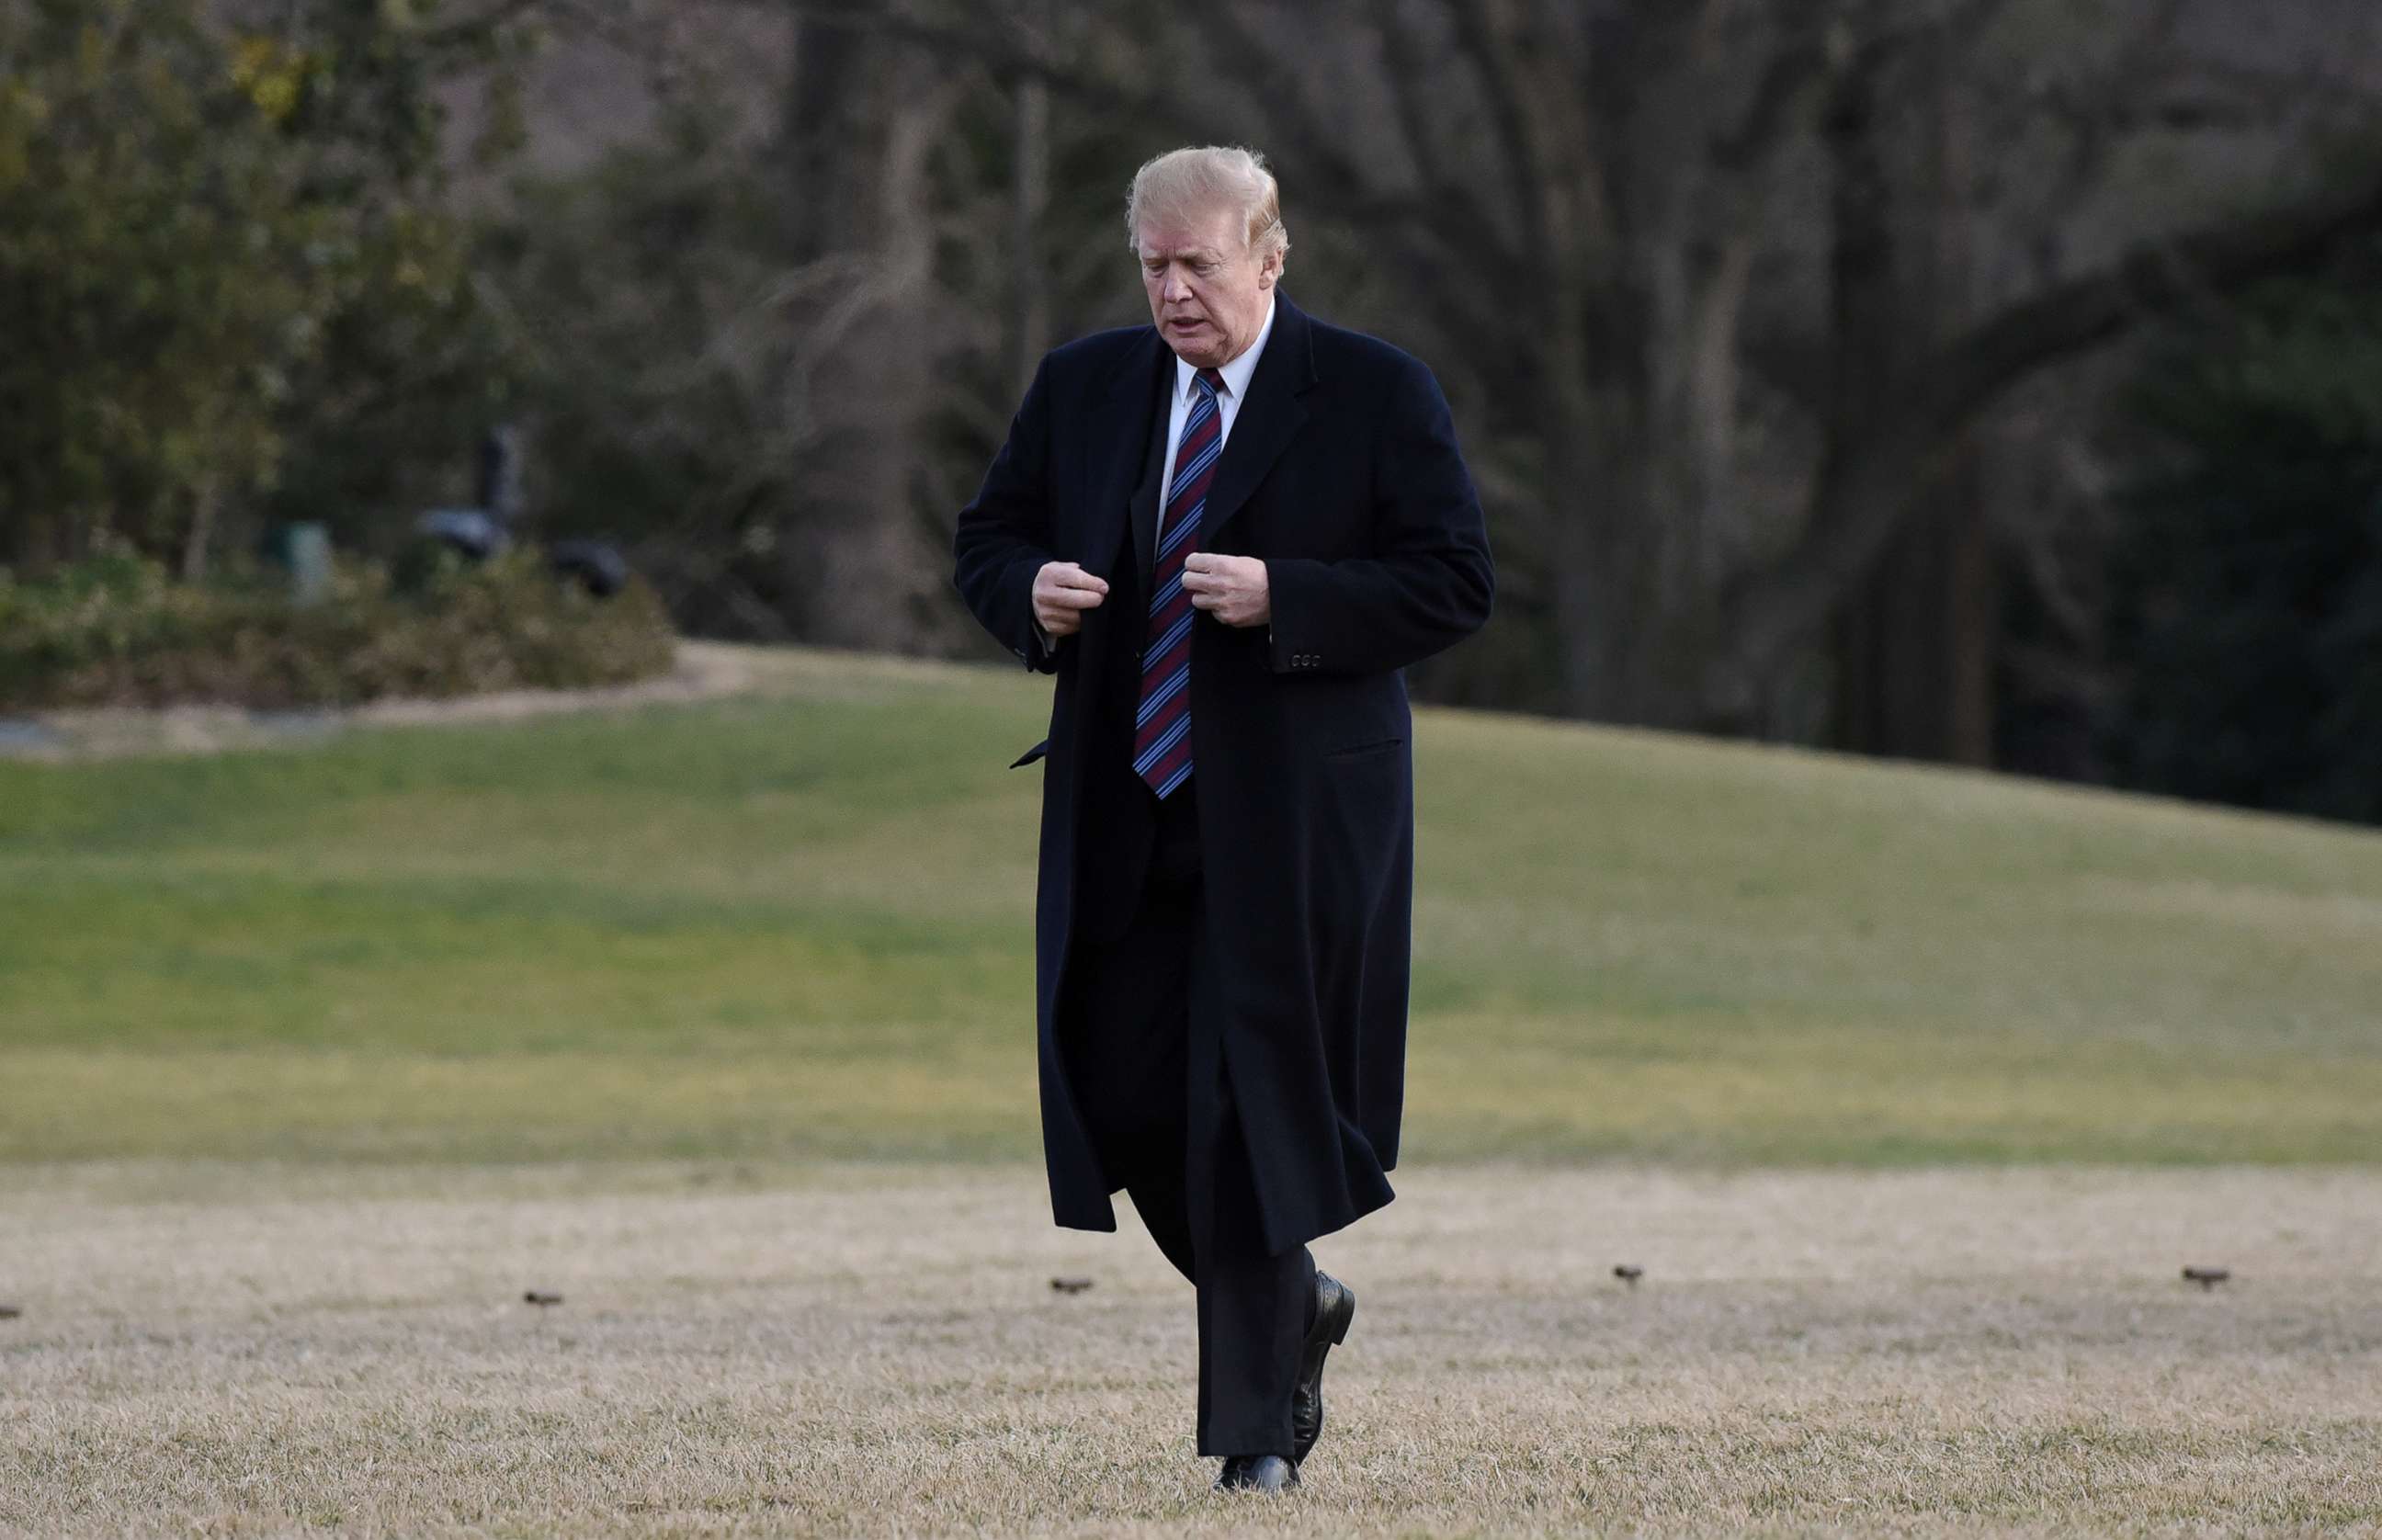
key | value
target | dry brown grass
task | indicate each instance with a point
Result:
(244, 1350)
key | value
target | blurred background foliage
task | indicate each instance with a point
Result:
(2246, 598)
(1994, 381)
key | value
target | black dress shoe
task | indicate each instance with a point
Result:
(1336, 1307)
(1269, 1473)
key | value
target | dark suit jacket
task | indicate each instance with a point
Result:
(1341, 473)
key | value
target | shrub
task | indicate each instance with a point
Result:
(117, 631)
(231, 286)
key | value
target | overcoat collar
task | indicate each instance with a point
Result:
(1262, 429)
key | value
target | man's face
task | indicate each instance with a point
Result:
(1208, 292)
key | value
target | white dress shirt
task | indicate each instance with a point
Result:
(1228, 403)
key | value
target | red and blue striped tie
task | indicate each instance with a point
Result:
(1161, 733)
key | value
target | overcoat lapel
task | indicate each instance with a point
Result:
(1267, 421)
(1144, 501)
(1120, 433)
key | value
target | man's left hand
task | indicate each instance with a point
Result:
(1233, 589)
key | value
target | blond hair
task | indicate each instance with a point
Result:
(1198, 178)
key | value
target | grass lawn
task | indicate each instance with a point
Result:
(795, 923)
(1910, 1091)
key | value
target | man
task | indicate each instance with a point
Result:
(1226, 533)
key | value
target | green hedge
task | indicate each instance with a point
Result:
(118, 631)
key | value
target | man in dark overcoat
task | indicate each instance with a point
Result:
(1226, 533)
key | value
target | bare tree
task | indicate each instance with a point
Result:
(1683, 250)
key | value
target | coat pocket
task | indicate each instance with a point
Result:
(1365, 749)
(1030, 755)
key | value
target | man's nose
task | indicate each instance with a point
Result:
(1177, 290)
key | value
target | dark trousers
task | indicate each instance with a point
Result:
(1141, 1047)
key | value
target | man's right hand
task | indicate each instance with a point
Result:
(1063, 590)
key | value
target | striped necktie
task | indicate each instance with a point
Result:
(1161, 731)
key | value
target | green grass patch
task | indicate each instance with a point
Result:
(797, 924)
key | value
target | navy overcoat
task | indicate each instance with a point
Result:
(1341, 473)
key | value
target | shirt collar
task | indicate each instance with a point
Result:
(1237, 373)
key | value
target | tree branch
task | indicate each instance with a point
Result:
(1864, 494)
(1816, 45)
(1421, 233)
(1483, 43)
(1409, 71)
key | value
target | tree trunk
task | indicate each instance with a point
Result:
(1634, 646)
(1029, 323)
(201, 533)
(863, 113)
(1916, 635)
(1916, 645)
(1643, 452)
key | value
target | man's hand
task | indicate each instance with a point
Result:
(1063, 590)
(1233, 589)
